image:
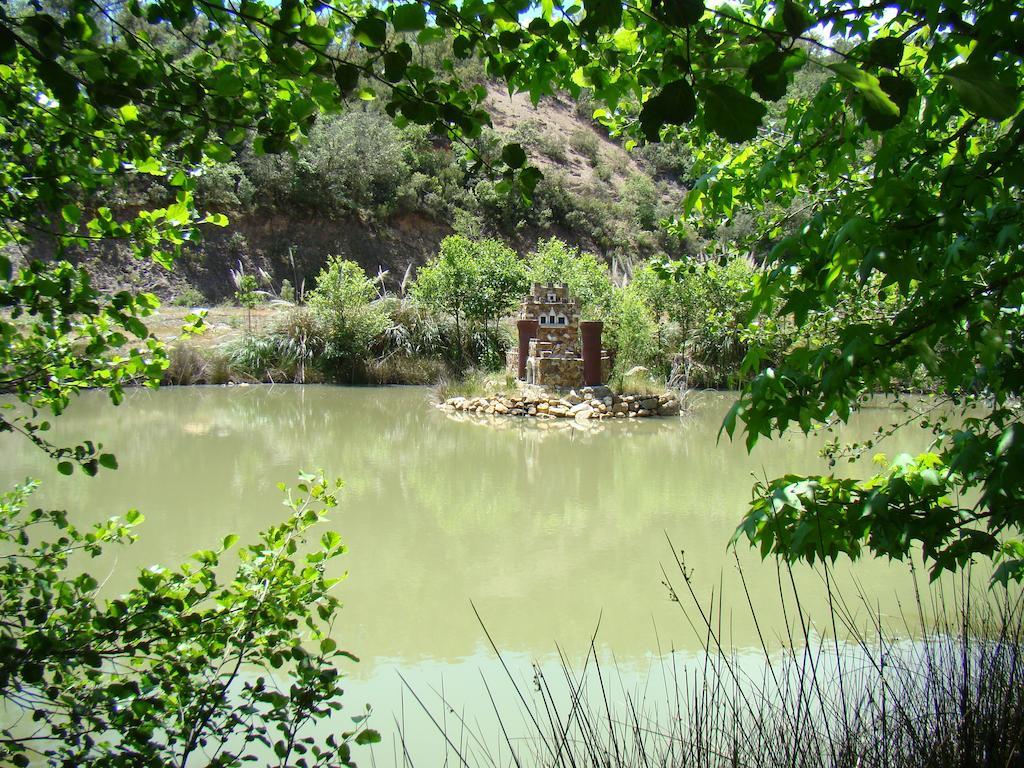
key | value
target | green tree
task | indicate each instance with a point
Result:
(502, 281)
(247, 295)
(473, 281)
(704, 319)
(586, 276)
(348, 321)
(341, 286)
(633, 332)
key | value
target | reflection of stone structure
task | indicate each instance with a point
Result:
(550, 353)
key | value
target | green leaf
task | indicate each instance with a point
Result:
(394, 67)
(983, 91)
(769, 76)
(229, 541)
(678, 13)
(8, 46)
(409, 18)
(227, 83)
(513, 155)
(108, 460)
(675, 104)
(346, 76)
(430, 35)
(63, 86)
(528, 179)
(65, 467)
(796, 18)
(600, 14)
(887, 52)
(71, 214)
(732, 115)
(901, 91)
(368, 736)
(370, 32)
(317, 35)
(875, 99)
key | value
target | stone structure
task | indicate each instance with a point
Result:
(550, 352)
(590, 403)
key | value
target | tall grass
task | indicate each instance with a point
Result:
(953, 695)
(477, 383)
(263, 358)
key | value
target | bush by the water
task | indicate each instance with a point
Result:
(686, 322)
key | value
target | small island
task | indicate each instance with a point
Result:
(561, 368)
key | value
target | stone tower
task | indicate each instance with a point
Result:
(550, 352)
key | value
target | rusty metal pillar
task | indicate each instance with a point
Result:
(527, 331)
(591, 330)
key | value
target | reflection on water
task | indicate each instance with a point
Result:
(545, 531)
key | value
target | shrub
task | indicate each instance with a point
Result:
(633, 333)
(586, 143)
(180, 667)
(402, 369)
(587, 277)
(476, 282)
(298, 337)
(260, 358)
(185, 366)
(341, 285)
(224, 187)
(701, 312)
(348, 339)
(188, 297)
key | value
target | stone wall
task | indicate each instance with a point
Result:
(597, 403)
(563, 339)
(558, 372)
(554, 372)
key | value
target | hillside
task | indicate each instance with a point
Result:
(386, 198)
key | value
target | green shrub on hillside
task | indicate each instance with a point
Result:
(585, 142)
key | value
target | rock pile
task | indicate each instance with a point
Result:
(586, 403)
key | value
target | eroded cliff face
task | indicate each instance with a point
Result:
(293, 244)
(291, 247)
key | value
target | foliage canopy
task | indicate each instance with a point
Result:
(907, 160)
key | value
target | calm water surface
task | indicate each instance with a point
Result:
(547, 531)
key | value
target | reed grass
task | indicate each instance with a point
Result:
(951, 695)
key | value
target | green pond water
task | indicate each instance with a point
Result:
(549, 530)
